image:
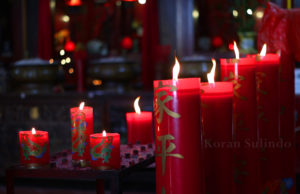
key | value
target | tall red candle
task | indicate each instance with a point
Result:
(287, 122)
(268, 109)
(105, 150)
(34, 147)
(139, 126)
(82, 128)
(179, 161)
(216, 114)
(241, 72)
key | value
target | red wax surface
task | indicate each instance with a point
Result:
(34, 147)
(247, 156)
(105, 150)
(82, 128)
(179, 161)
(139, 127)
(216, 107)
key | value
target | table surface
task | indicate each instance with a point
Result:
(133, 157)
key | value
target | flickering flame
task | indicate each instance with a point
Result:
(81, 106)
(176, 69)
(236, 50)
(211, 74)
(104, 133)
(136, 105)
(263, 50)
(33, 131)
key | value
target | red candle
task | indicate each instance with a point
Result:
(179, 161)
(287, 121)
(139, 126)
(105, 150)
(241, 72)
(268, 109)
(216, 114)
(34, 146)
(82, 128)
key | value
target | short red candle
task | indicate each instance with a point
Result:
(216, 107)
(34, 147)
(105, 151)
(179, 161)
(139, 125)
(82, 128)
(247, 161)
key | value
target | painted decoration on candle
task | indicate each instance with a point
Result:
(159, 105)
(31, 148)
(102, 149)
(105, 150)
(236, 81)
(34, 147)
(163, 151)
(78, 133)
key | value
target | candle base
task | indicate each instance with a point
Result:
(103, 168)
(36, 166)
(80, 163)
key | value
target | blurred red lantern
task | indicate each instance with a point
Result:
(127, 43)
(74, 2)
(231, 46)
(217, 42)
(70, 46)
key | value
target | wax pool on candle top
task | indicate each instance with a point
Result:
(105, 150)
(34, 147)
(216, 113)
(82, 128)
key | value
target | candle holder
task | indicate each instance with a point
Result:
(34, 147)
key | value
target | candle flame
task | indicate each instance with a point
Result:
(33, 131)
(263, 50)
(211, 74)
(136, 105)
(104, 133)
(236, 50)
(81, 106)
(176, 69)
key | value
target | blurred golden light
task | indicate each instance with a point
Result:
(63, 61)
(97, 82)
(65, 18)
(62, 52)
(71, 70)
(195, 14)
(68, 60)
(235, 13)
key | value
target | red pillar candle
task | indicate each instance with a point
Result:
(247, 162)
(268, 110)
(216, 114)
(105, 150)
(179, 161)
(139, 126)
(287, 121)
(82, 128)
(34, 146)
